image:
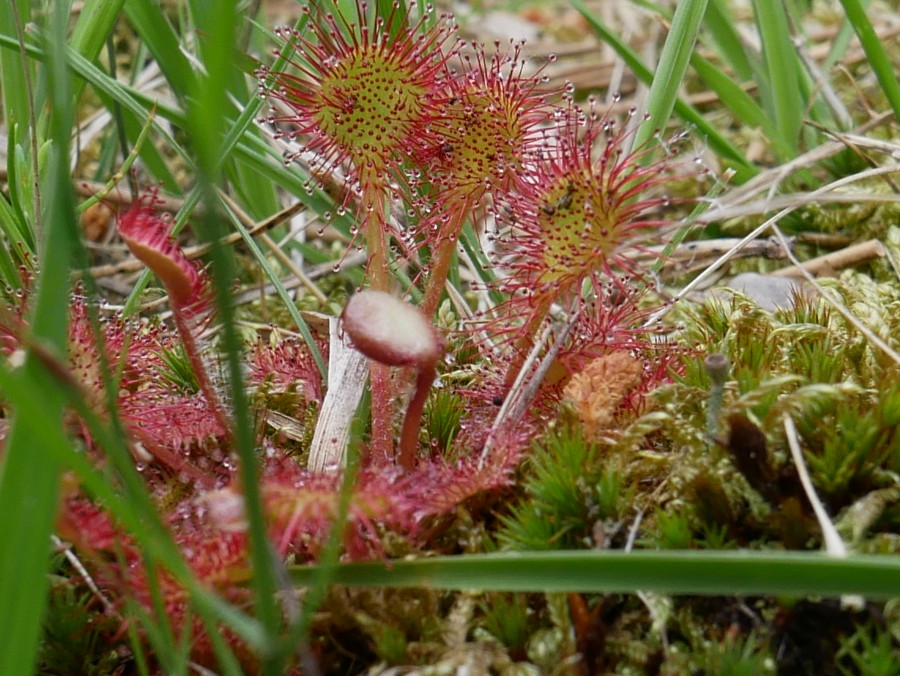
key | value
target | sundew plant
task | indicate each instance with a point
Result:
(487, 430)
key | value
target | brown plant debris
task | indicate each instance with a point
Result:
(600, 388)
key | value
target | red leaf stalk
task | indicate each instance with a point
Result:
(147, 236)
(362, 91)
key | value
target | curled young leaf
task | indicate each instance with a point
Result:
(147, 236)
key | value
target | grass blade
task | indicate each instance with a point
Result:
(289, 305)
(16, 107)
(668, 572)
(744, 168)
(720, 26)
(151, 24)
(95, 21)
(670, 70)
(206, 124)
(741, 104)
(878, 58)
(782, 70)
(29, 480)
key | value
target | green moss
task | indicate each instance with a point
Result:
(507, 618)
(177, 370)
(673, 531)
(76, 632)
(573, 496)
(441, 422)
(871, 651)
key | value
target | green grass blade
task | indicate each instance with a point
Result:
(257, 194)
(289, 305)
(122, 170)
(877, 56)
(206, 124)
(480, 263)
(667, 572)
(150, 22)
(782, 70)
(670, 70)
(29, 479)
(9, 259)
(16, 107)
(15, 231)
(741, 104)
(321, 582)
(28, 498)
(720, 27)
(744, 168)
(152, 159)
(841, 42)
(95, 22)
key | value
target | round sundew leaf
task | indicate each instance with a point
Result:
(390, 331)
(368, 104)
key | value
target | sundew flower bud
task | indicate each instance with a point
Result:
(361, 91)
(147, 236)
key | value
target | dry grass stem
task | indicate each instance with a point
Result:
(837, 260)
(809, 198)
(520, 394)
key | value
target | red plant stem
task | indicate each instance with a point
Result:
(381, 444)
(524, 344)
(192, 350)
(409, 436)
(443, 257)
(375, 227)
(440, 268)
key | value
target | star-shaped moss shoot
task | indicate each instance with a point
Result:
(395, 333)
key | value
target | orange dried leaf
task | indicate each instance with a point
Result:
(600, 388)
